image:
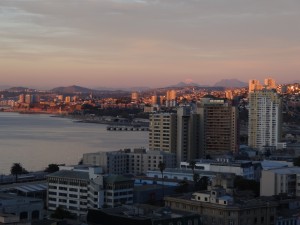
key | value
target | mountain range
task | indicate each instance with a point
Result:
(231, 83)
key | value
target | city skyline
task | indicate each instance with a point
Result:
(124, 43)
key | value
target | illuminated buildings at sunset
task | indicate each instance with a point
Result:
(265, 122)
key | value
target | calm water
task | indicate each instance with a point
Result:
(38, 140)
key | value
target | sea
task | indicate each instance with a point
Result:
(37, 140)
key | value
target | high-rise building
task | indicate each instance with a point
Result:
(265, 112)
(162, 132)
(171, 98)
(21, 98)
(134, 97)
(187, 134)
(254, 85)
(218, 126)
(270, 83)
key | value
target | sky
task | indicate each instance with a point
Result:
(154, 43)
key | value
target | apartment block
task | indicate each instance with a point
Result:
(265, 120)
(162, 132)
(280, 181)
(79, 188)
(136, 161)
(218, 126)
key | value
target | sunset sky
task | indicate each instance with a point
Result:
(123, 43)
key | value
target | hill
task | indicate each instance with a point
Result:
(231, 83)
(72, 89)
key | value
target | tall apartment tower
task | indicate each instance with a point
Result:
(218, 127)
(162, 132)
(134, 97)
(187, 135)
(254, 85)
(171, 98)
(270, 83)
(265, 119)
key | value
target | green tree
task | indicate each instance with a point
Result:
(203, 183)
(52, 168)
(296, 161)
(162, 167)
(61, 213)
(16, 170)
(183, 187)
(244, 184)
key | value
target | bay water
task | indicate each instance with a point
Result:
(36, 140)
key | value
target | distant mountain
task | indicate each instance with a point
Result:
(183, 84)
(3, 87)
(18, 89)
(231, 83)
(295, 81)
(72, 89)
(122, 89)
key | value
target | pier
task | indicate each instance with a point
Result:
(126, 128)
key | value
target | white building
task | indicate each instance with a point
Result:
(245, 169)
(80, 188)
(265, 122)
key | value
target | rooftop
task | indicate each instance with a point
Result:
(70, 174)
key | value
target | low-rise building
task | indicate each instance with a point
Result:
(23, 208)
(77, 189)
(136, 161)
(142, 215)
(217, 207)
(280, 181)
(245, 169)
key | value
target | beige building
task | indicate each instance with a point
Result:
(265, 112)
(136, 162)
(254, 85)
(162, 132)
(270, 83)
(280, 181)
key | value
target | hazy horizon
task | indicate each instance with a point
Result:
(152, 43)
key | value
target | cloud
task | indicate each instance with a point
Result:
(150, 33)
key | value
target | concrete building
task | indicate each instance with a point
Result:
(265, 123)
(218, 127)
(254, 85)
(23, 208)
(188, 133)
(280, 181)
(134, 97)
(218, 207)
(171, 98)
(162, 132)
(142, 215)
(136, 161)
(270, 83)
(245, 169)
(79, 188)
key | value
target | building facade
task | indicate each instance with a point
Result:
(81, 188)
(162, 132)
(136, 161)
(218, 127)
(280, 181)
(216, 207)
(265, 120)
